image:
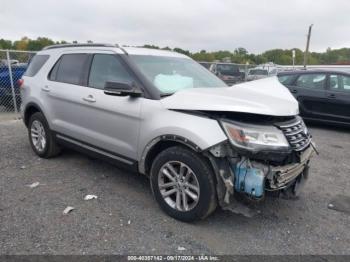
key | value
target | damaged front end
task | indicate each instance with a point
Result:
(271, 156)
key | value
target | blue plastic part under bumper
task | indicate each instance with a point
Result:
(249, 180)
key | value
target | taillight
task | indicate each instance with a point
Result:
(20, 83)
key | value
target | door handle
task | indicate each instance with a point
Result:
(90, 99)
(294, 91)
(331, 95)
(46, 88)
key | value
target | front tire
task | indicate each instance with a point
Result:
(41, 138)
(182, 182)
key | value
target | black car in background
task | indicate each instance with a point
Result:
(322, 95)
(205, 64)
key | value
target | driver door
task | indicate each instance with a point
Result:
(112, 122)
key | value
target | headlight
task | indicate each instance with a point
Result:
(255, 137)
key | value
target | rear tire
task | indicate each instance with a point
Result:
(41, 138)
(188, 179)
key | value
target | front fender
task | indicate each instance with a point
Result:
(157, 121)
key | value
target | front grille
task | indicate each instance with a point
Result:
(296, 134)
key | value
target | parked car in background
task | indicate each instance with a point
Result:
(205, 64)
(227, 72)
(259, 73)
(12, 62)
(18, 69)
(322, 95)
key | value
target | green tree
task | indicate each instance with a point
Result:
(21, 44)
(259, 59)
(5, 44)
(241, 51)
(151, 46)
(239, 55)
(182, 51)
(166, 48)
(39, 43)
(203, 56)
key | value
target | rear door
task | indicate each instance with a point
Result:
(309, 90)
(338, 94)
(83, 115)
(64, 91)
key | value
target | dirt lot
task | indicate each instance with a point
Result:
(126, 220)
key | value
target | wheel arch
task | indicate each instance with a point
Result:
(29, 110)
(159, 144)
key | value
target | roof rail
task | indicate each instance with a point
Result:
(78, 45)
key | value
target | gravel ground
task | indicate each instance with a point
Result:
(126, 220)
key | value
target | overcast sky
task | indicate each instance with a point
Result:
(212, 25)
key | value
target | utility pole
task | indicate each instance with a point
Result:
(306, 54)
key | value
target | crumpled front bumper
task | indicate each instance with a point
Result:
(253, 178)
(282, 176)
(240, 175)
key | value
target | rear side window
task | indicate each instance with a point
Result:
(346, 83)
(339, 82)
(312, 81)
(105, 68)
(35, 64)
(69, 69)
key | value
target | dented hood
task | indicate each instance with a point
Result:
(266, 97)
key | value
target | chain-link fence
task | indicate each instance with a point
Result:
(12, 66)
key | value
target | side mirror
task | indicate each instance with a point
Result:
(122, 89)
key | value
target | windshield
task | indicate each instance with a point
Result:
(171, 74)
(258, 72)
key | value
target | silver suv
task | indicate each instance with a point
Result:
(160, 113)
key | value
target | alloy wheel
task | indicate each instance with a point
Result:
(179, 186)
(38, 135)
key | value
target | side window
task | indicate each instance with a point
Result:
(106, 68)
(53, 72)
(334, 82)
(286, 79)
(36, 64)
(69, 69)
(312, 81)
(346, 83)
(339, 82)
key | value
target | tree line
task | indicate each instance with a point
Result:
(239, 55)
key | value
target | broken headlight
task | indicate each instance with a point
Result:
(255, 137)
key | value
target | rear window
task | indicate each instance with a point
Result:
(227, 68)
(69, 69)
(257, 72)
(35, 64)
